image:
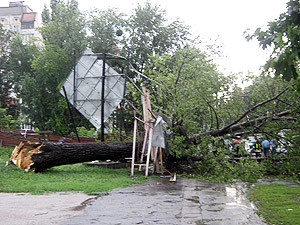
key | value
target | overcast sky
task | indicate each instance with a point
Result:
(221, 20)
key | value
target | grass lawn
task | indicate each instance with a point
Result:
(279, 204)
(76, 177)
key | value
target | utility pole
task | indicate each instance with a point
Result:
(103, 97)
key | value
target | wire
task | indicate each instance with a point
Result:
(143, 75)
(135, 85)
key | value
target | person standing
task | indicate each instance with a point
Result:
(256, 148)
(236, 146)
(274, 146)
(266, 147)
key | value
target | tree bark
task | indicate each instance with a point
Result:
(46, 155)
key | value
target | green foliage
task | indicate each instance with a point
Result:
(84, 132)
(20, 60)
(39, 92)
(151, 34)
(198, 98)
(6, 78)
(189, 85)
(65, 28)
(106, 29)
(283, 34)
(5, 81)
(287, 164)
(75, 177)
(46, 15)
(19, 65)
(7, 121)
(279, 204)
(267, 117)
(217, 164)
(293, 162)
(178, 146)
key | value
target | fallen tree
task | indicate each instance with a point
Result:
(237, 125)
(40, 156)
(240, 126)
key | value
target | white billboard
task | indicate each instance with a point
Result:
(88, 88)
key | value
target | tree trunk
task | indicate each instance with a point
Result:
(46, 155)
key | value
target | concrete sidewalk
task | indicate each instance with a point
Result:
(46, 209)
(158, 201)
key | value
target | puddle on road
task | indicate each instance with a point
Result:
(230, 191)
(194, 199)
(238, 198)
(218, 188)
(172, 201)
(214, 210)
(84, 204)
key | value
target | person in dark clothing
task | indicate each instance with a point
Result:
(236, 146)
(256, 148)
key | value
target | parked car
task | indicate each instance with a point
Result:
(283, 143)
(249, 143)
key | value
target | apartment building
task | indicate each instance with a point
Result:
(20, 18)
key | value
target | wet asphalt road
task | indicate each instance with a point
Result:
(158, 201)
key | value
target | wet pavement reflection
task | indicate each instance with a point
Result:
(158, 201)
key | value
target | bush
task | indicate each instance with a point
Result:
(7, 121)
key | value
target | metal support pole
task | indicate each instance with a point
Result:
(74, 80)
(103, 97)
(133, 147)
(123, 101)
(71, 114)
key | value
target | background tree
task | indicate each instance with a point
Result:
(283, 35)
(140, 36)
(150, 33)
(188, 89)
(8, 121)
(40, 71)
(64, 26)
(5, 75)
(20, 60)
(39, 89)
(106, 28)
(7, 84)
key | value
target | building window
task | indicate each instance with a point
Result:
(27, 25)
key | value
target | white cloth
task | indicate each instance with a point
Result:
(158, 139)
